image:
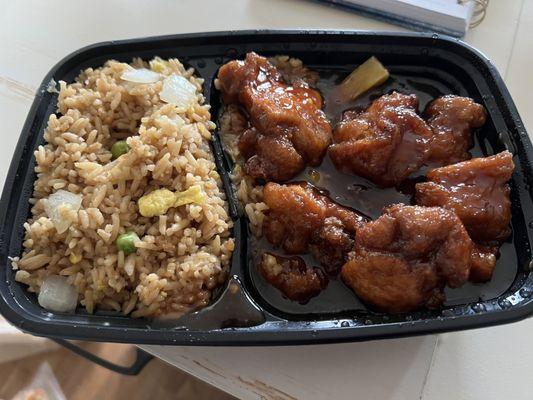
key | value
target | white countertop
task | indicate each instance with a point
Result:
(491, 363)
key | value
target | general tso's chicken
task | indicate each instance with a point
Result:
(289, 130)
(402, 260)
(331, 244)
(477, 191)
(292, 277)
(385, 143)
(452, 120)
(301, 219)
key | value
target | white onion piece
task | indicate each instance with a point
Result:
(178, 90)
(57, 207)
(141, 75)
(57, 295)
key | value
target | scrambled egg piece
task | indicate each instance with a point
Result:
(159, 201)
(156, 203)
(192, 195)
(158, 65)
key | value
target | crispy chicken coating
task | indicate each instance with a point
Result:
(385, 143)
(301, 219)
(289, 130)
(478, 192)
(483, 263)
(331, 244)
(452, 120)
(402, 260)
(292, 277)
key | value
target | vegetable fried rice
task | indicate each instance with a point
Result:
(143, 229)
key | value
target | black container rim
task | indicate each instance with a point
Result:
(273, 332)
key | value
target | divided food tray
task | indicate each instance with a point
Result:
(247, 311)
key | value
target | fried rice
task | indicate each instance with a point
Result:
(182, 255)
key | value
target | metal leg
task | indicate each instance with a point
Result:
(140, 362)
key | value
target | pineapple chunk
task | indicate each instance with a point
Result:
(369, 74)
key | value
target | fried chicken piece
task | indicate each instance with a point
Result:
(289, 130)
(402, 260)
(477, 191)
(482, 263)
(268, 157)
(301, 219)
(331, 244)
(385, 143)
(452, 120)
(292, 277)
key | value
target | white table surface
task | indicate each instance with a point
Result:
(491, 363)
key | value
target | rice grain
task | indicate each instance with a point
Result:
(180, 254)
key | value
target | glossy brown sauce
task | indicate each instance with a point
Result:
(385, 143)
(402, 260)
(477, 191)
(368, 199)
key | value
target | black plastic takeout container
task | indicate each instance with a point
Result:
(245, 311)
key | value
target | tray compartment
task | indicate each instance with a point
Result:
(426, 64)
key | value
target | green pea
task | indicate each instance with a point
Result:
(120, 147)
(126, 242)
